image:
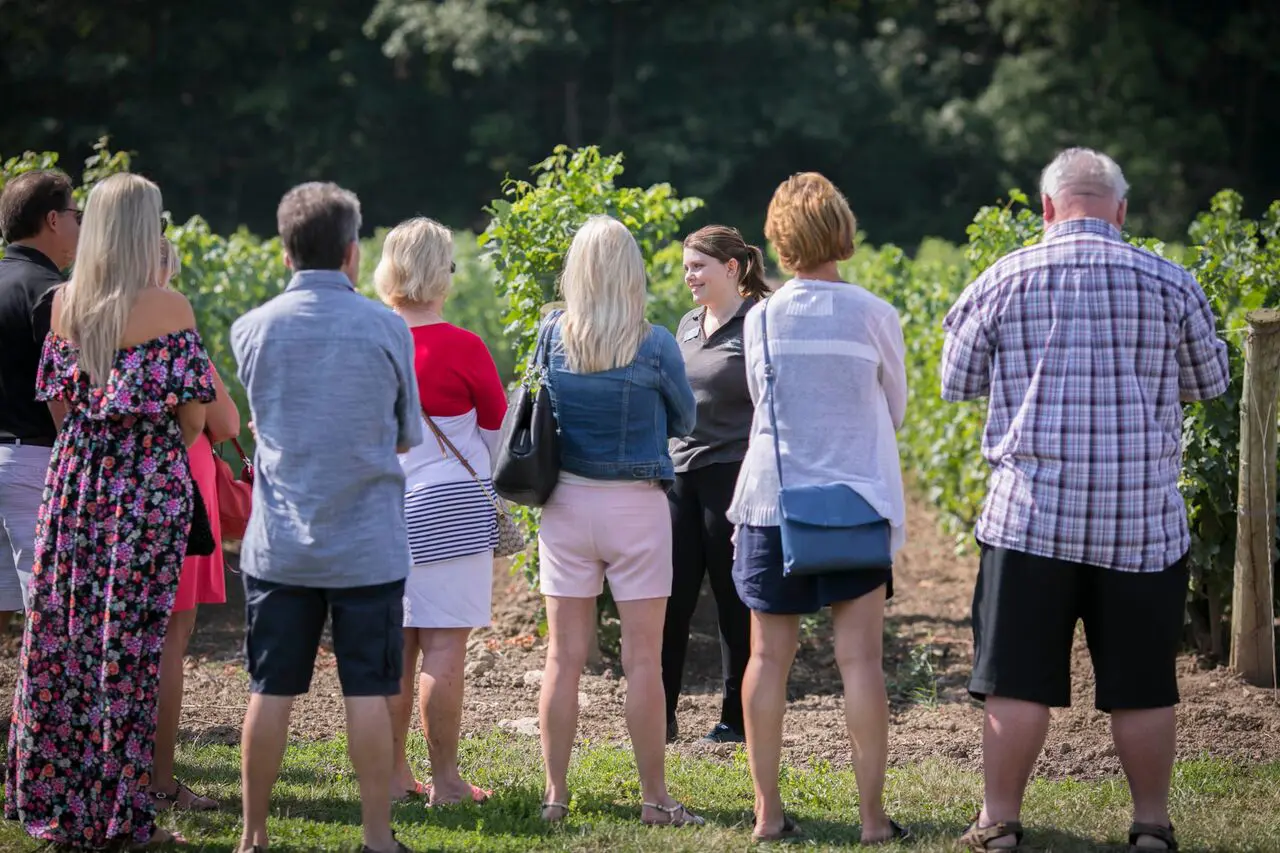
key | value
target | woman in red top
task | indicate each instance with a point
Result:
(202, 581)
(449, 510)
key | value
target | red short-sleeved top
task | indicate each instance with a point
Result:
(456, 374)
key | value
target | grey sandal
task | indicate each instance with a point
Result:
(562, 808)
(677, 815)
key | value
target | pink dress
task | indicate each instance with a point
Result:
(202, 580)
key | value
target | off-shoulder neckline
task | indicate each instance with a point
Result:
(179, 333)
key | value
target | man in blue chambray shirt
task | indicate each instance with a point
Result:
(331, 387)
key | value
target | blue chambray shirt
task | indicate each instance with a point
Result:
(332, 393)
(614, 425)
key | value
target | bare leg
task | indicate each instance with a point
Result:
(642, 623)
(172, 657)
(403, 780)
(369, 746)
(266, 732)
(1012, 737)
(859, 636)
(764, 701)
(570, 627)
(1146, 742)
(440, 687)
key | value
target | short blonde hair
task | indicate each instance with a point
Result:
(810, 223)
(604, 292)
(416, 264)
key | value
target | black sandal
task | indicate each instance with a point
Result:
(1151, 830)
(979, 838)
(898, 833)
(790, 830)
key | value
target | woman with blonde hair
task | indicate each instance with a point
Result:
(825, 367)
(619, 392)
(202, 581)
(449, 504)
(126, 377)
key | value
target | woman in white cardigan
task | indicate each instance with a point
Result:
(840, 394)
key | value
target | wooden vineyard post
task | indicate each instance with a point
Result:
(1253, 638)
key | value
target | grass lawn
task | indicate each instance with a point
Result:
(1216, 805)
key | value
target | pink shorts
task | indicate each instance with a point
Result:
(622, 532)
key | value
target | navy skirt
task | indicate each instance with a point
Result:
(757, 575)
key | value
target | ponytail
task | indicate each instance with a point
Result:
(724, 244)
(752, 284)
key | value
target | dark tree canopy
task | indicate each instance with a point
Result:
(921, 110)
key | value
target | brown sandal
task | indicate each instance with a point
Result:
(979, 838)
(1151, 830)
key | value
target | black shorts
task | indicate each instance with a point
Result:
(1025, 610)
(283, 624)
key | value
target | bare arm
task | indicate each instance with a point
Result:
(191, 418)
(222, 418)
(57, 411)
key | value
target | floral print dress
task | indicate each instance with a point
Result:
(110, 539)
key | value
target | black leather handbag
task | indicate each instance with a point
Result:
(528, 464)
(200, 538)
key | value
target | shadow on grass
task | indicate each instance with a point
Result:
(229, 774)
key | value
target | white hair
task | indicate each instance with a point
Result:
(1083, 171)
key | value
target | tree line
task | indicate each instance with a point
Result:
(921, 110)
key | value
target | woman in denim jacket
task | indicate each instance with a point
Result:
(619, 392)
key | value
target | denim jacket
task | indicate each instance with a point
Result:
(614, 424)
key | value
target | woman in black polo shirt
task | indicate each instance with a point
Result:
(726, 277)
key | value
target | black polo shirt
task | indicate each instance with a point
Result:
(27, 280)
(717, 371)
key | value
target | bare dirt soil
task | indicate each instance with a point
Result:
(927, 656)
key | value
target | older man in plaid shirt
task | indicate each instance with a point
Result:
(1085, 347)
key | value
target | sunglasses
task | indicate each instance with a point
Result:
(76, 212)
(165, 222)
(453, 267)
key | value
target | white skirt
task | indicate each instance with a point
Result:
(454, 593)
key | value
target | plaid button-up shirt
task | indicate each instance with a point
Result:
(1086, 347)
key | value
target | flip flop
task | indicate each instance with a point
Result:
(478, 795)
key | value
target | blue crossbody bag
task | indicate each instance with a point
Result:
(825, 528)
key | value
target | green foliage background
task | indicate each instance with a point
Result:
(509, 272)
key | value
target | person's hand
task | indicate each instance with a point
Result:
(252, 430)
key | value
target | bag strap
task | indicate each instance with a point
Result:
(244, 460)
(769, 380)
(445, 442)
(541, 356)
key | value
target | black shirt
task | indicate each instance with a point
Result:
(717, 371)
(27, 282)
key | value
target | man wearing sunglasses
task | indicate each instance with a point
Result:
(40, 223)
